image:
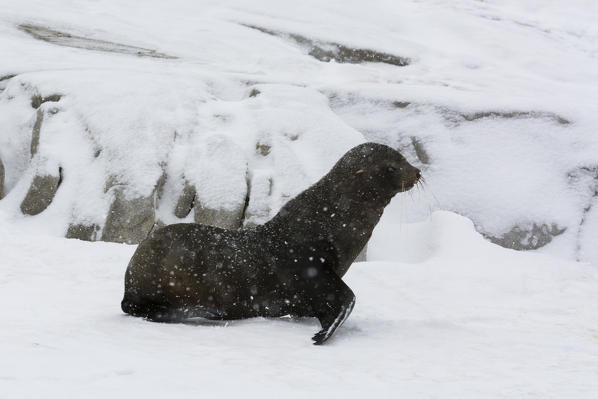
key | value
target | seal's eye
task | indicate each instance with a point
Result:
(390, 169)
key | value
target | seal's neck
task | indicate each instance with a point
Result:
(325, 212)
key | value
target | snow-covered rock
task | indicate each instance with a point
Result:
(225, 114)
(152, 163)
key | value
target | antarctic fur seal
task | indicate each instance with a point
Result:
(292, 265)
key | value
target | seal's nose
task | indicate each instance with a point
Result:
(416, 176)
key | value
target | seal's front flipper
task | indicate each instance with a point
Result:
(329, 327)
(332, 302)
(321, 292)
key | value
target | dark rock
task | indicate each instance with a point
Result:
(160, 188)
(327, 52)
(420, 151)
(41, 193)
(83, 232)
(185, 201)
(111, 181)
(226, 219)
(330, 51)
(401, 104)
(68, 40)
(254, 93)
(515, 114)
(37, 100)
(263, 149)
(37, 126)
(527, 237)
(129, 219)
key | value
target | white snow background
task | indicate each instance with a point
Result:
(440, 311)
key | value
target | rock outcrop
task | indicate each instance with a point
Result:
(66, 39)
(329, 51)
(41, 193)
(224, 218)
(35, 133)
(185, 202)
(527, 237)
(130, 218)
(220, 180)
(233, 160)
(83, 232)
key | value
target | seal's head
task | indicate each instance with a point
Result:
(373, 171)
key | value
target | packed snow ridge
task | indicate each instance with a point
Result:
(224, 115)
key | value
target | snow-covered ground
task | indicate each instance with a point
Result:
(468, 319)
(497, 106)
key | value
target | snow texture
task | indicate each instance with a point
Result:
(467, 319)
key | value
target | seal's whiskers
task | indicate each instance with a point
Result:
(428, 196)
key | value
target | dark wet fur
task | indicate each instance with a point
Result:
(291, 265)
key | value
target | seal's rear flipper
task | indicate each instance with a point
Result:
(168, 314)
(329, 328)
